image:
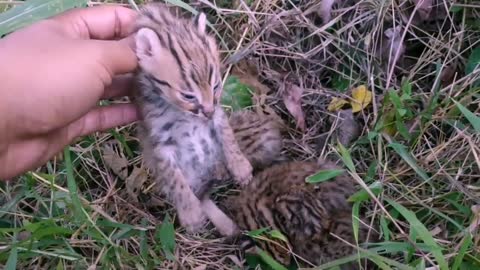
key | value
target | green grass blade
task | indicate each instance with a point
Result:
(402, 151)
(12, 259)
(471, 117)
(422, 232)
(323, 176)
(346, 157)
(371, 254)
(72, 186)
(355, 220)
(467, 241)
(270, 261)
(32, 11)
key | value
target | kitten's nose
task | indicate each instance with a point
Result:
(208, 111)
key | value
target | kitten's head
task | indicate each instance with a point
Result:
(179, 60)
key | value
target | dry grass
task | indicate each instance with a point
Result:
(288, 44)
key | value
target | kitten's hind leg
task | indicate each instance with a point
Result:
(220, 220)
(173, 183)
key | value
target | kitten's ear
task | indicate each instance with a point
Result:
(200, 22)
(147, 43)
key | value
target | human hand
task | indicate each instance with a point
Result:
(53, 73)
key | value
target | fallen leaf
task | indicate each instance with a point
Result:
(448, 74)
(115, 162)
(336, 104)
(394, 44)
(424, 8)
(135, 181)
(236, 95)
(348, 128)
(361, 98)
(292, 95)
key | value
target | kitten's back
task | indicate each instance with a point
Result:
(259, 137)
(307, 214)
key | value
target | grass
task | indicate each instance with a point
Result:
(416, 160)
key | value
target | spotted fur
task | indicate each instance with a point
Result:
(186, 137)
(309, 215)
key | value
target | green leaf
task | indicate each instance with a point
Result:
(406, 90)
(386, 231)
(236, 95)
(12, 259)
(32, 11)
(144, 242)
(455, 9)
(473, 61)
(472, 64)
(471, 117)
(362, 195)
(401, 128)
(323, 176)
(166, 235)
(422, 232)
(256, 233)
(401, 150)
(397, 102)
(340, 83)
(372, 171)
(270, 261)
(122, 140)
(278, 235)
(467, 241)
(346, 158)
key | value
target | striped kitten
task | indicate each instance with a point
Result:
(309, 215)
(186, 137)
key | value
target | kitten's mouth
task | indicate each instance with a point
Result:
(208, 115)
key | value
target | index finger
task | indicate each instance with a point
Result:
(99, 22)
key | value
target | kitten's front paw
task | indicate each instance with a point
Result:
(242, 171)
(193, 220)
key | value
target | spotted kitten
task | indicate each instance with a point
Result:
(186, 137)
(309, 215)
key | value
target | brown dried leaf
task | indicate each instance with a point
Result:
(424, 8)
(115, 162)
(348, 128)
(448, 74)
(135, 181)
(292, 95)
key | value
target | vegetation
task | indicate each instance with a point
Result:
(389, 88)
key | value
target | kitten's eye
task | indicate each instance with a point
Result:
(188, 97)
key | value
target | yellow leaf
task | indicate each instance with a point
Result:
(336, 104)
(361, 98)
